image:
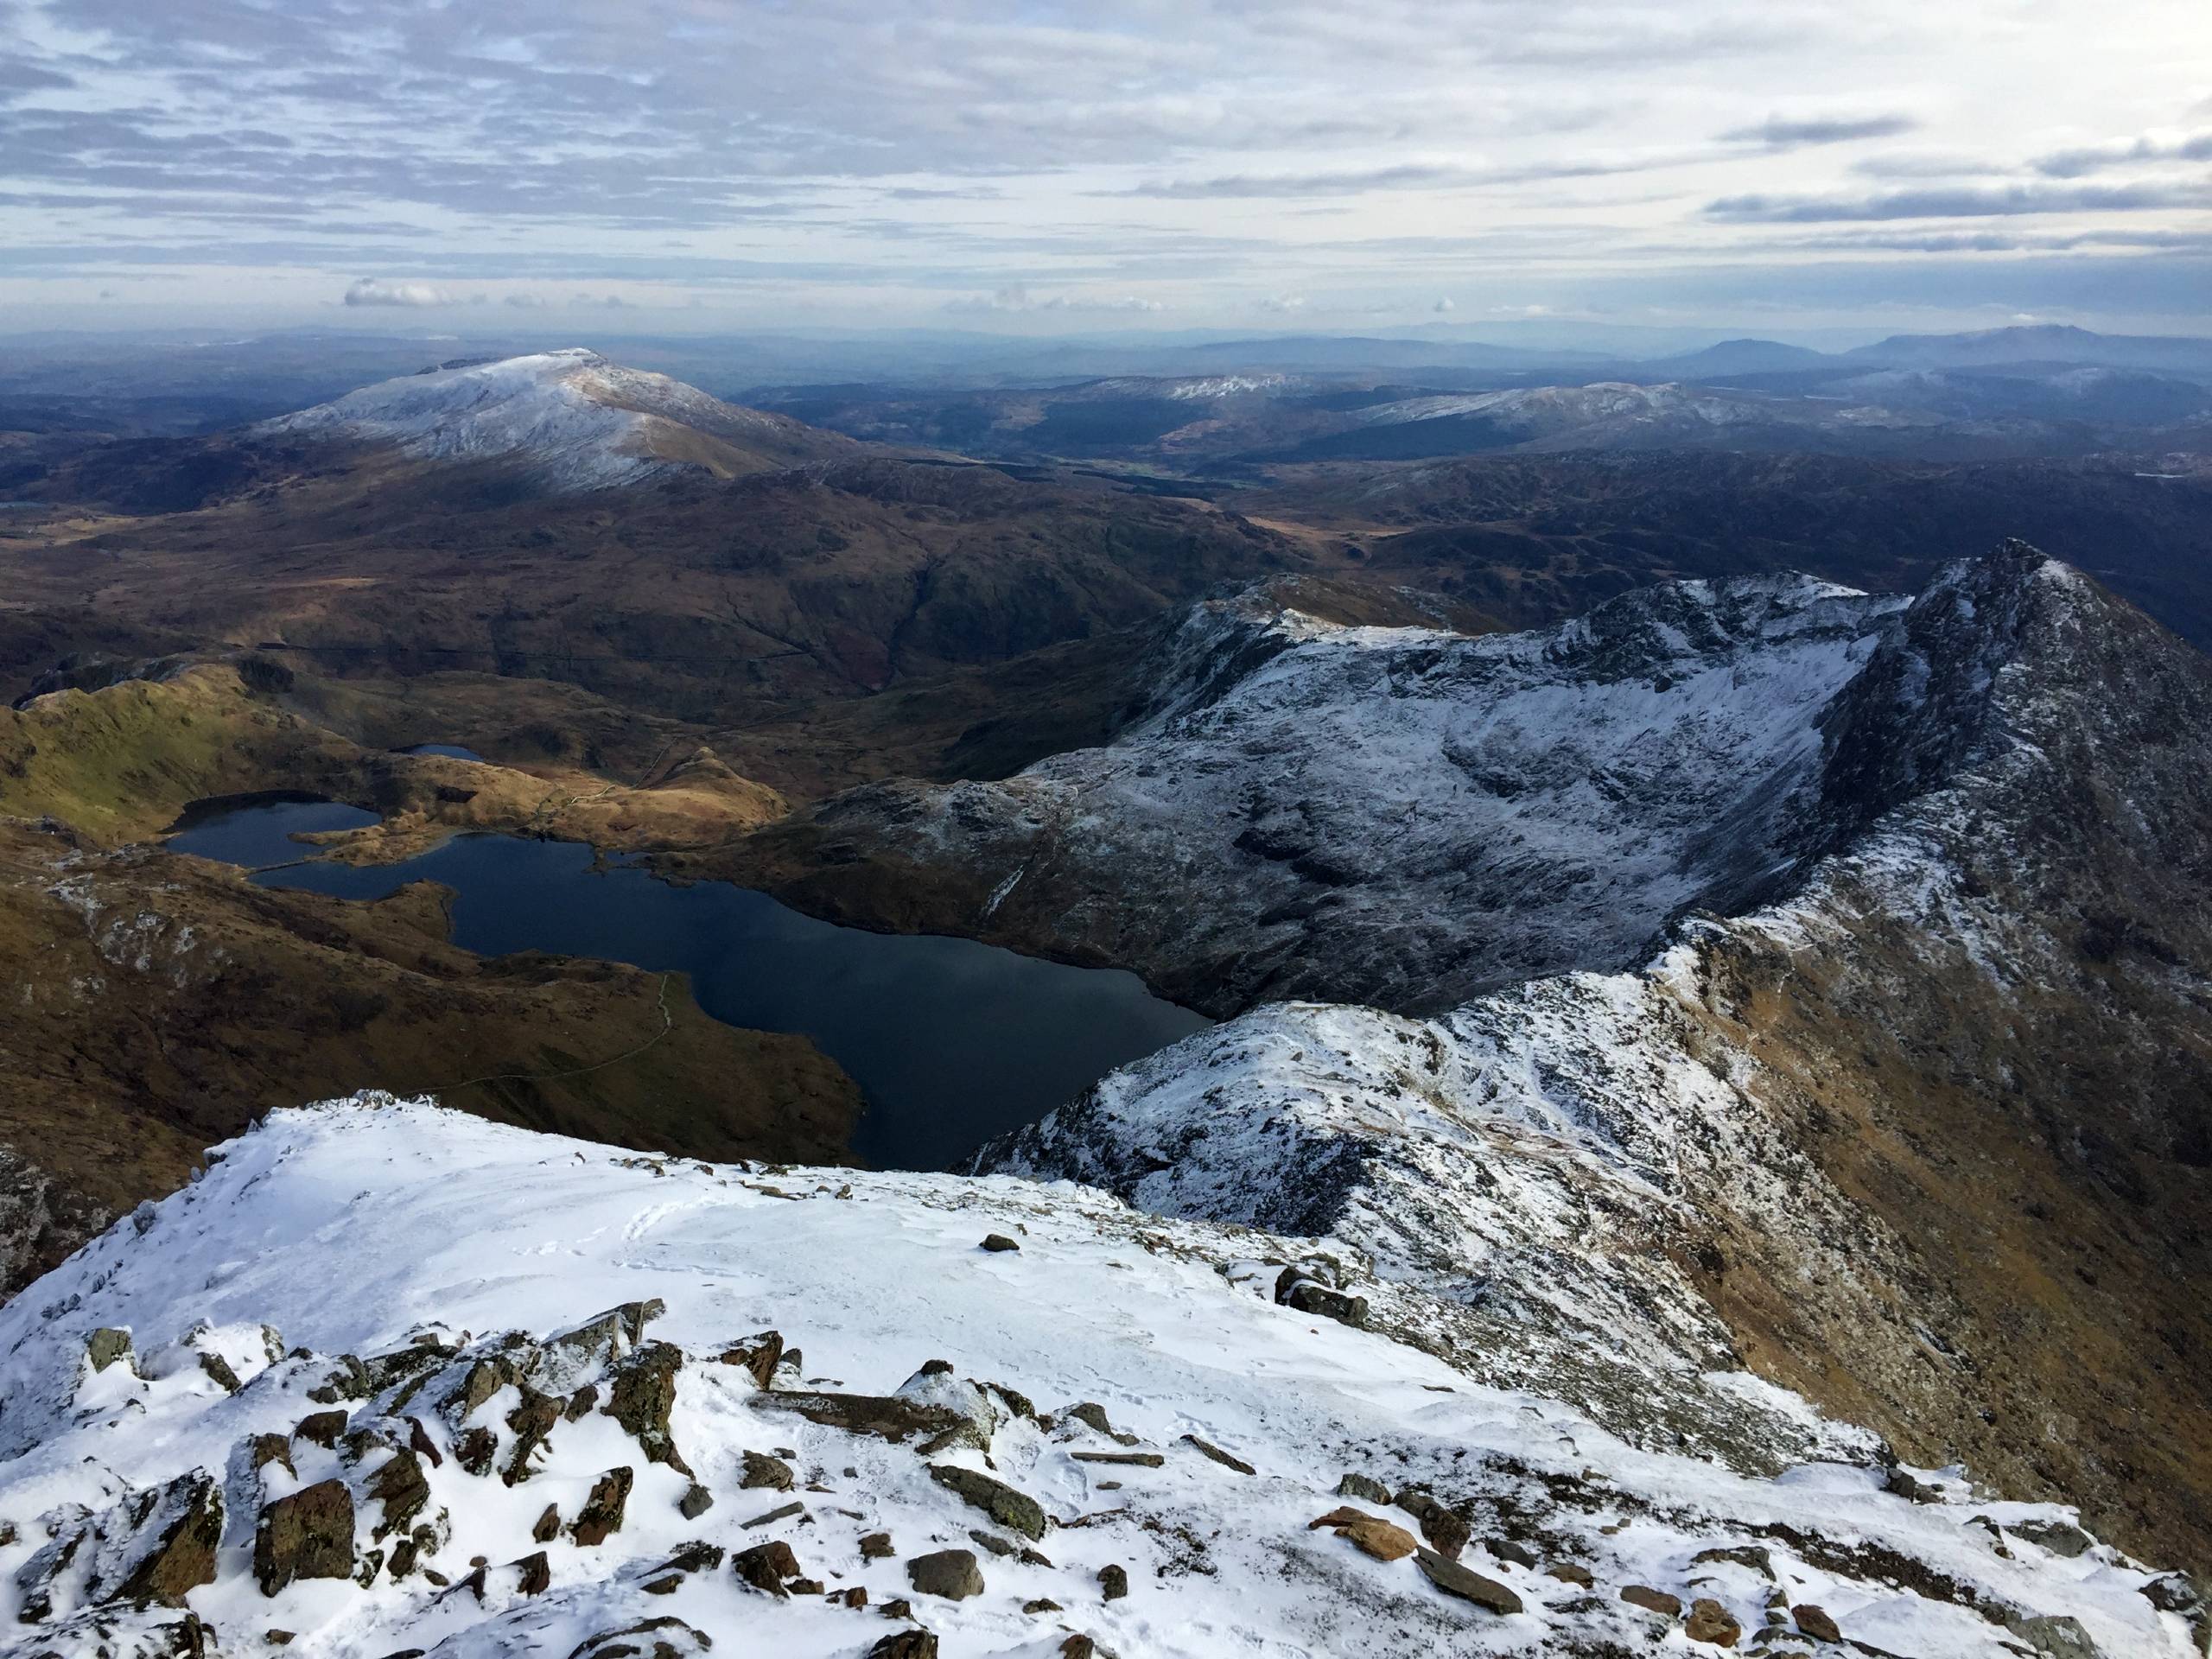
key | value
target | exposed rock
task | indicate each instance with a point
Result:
(1446, 1528)
(1227, 1460)
(2059, 1537)
(905, 1644)
(475, 1449)
(1377, 1537)
(883, 1415)
(1123, 1460)
(999, 1242)
(1454, 1580)
(1505, 1549)
(641, 1397)
(532, 1421)
(106, 1345)
(1114, 1581)
(951, 1573)
(218, 1370)
(1294, 1289)
(533, 1576)
(696, 1501)
(1815, 1621)
(763, 1471)
(401, 1486)
(2054, 1636)
(1013, 1509)
(602, 1510)
(321, 1427)
(1709, 1621)
(782, 1512)
(1755, 1557)
(308, 1535)
(874, 1545)
(1570, 1572)
(549, 1525)
(1657, 1601)
(766, 1567)
(1364, 1487)
(759, 1355)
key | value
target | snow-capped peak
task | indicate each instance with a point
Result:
(576, 420)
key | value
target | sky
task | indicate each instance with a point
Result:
(1768, 167)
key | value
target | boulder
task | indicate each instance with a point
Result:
(762, 1472)
(308, 1534)
(1815, 1623)
(767, 1568)
(1467, 1585)
(951, 1573)
(320, 1428)
(106, 1345)
(1294, 1289)
(905, 1644)
(400, 1485)
(1114, 1581)
(997, 1244)
(1657, 1601)
(1377, 1537)
(1015, 1510)
(696, 1501)
(1446, 1528)
(1710, 1622)
(874, 1545)
(2059, 1537)
(1365, 1487)
(603, 1509)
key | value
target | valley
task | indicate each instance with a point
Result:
(1672, 970)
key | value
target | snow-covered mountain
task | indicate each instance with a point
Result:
(571, 419)
(390, 1379)
(1406, 815)
(1758, 1023)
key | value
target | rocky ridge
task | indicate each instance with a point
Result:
(1853, 1134)
(1117, 1433)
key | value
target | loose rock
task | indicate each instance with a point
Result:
(1469, 1586)
(308, 1535)
(951, 1573)
(1013, 1509)
(603, 1509)
(1657, 1601)
(1710, 1622)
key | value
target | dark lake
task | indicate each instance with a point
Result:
(951, 1041)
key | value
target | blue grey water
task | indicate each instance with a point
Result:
(951, 1041)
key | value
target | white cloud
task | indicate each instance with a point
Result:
(527, 302)
(1444, 305)
(1017, 297)
(1283, 302)
(370, 290)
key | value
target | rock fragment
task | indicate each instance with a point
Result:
(1710, 1622)
(603, 1509)
(1015, 1510)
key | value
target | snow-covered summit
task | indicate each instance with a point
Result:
(572, 418)
(536, 1397)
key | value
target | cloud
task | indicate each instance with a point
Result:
(1965, 203)
(1778, 132)
(2095, 158)
(1283, 302)
(600, 302)
(370, 290)
(527, 302)
(1443, 305)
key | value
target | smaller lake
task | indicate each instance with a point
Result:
(451, 751)
(951, 1041)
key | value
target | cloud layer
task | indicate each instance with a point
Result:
(892, 161)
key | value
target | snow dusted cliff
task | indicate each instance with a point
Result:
(571, 418)
(390, 1379)
(1407, 816)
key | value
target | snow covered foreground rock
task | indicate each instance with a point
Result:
(525, 1400)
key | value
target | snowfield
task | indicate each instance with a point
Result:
(438, 1284)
